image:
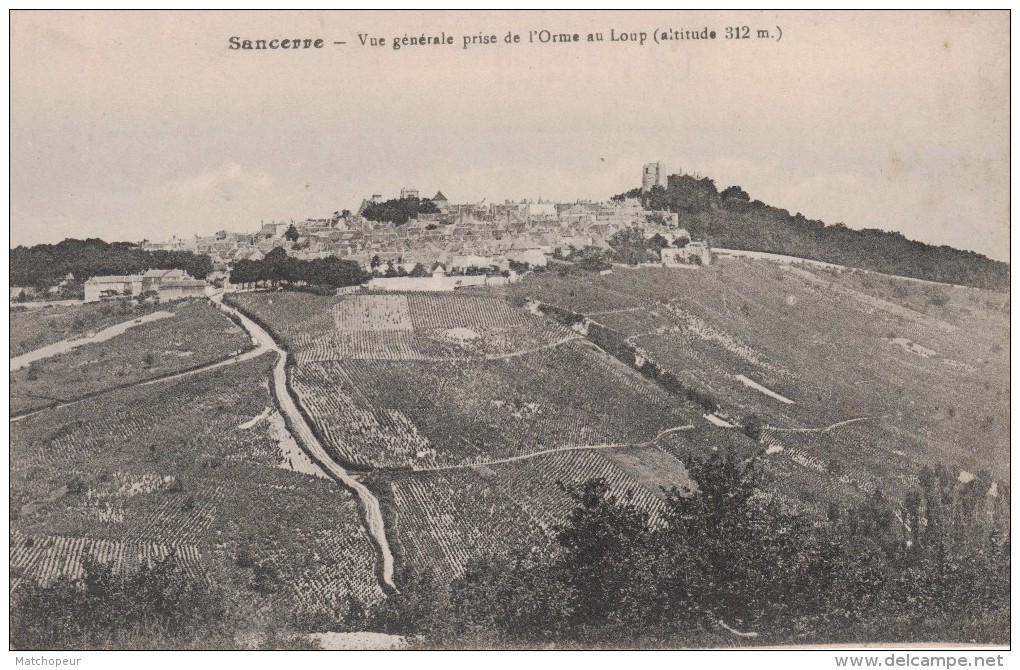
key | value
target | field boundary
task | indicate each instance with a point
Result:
(548, 452)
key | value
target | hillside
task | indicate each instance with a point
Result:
(199, 468)
(462, 410)
(730, 219)
(860, 422)
(921, 371)
(78, 351)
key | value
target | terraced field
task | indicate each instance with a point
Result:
(467, 414)
(444, 519)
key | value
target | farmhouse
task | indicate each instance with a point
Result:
(695, 253)
(97, 288)
(169, 284)
(178, 289)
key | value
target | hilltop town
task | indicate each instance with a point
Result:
(414, 243)
(459, 237)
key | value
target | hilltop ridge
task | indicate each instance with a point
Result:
(729, 218)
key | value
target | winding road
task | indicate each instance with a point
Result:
(303, 432)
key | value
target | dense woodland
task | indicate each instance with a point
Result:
(730, 219)
(44, 265)
(399, 210)
(277, 267)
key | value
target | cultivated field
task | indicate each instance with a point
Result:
(196, 466)
(443, 519)
(473, 416)
(196, 335)
(469, 414)
(923, 367)
(426, 380)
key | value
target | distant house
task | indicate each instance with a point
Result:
(177, 289)
(541, 211)
(440, 201)
(533, 257)
(466, 262)
(152, 279)
(168, 284)
(695, 253)
(112, 286)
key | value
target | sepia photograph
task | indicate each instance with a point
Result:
(447, 330)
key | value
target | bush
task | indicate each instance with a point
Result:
(160, 606)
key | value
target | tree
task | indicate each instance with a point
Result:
(629, 246)
(292, 234)
(158, 606)
(735, 192)
(590, 259)
(419, 271)
(399, 210)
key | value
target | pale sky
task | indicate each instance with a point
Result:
(144, 125)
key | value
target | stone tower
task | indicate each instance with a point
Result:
(652, 175)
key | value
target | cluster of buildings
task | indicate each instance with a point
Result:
(457, 236)
(166, 284)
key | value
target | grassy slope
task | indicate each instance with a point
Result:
(290, 313)
(196, 335)
(199, 481)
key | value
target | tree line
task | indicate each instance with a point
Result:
(730, 219)
(277, 267)
(44, 265)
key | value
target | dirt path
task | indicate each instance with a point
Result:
(303, 432)
(826, 429)
(532, 350)
(63, 346)
(546, 452)
(233, 360)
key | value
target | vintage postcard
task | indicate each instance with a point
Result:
(510, 330)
